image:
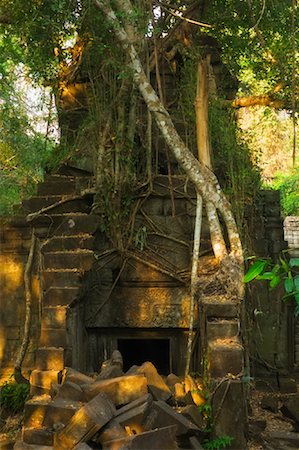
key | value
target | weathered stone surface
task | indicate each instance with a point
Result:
(290, 407)
(214, 307)
(35, 411)
(60, 278)
(179, 393)
(19, 445)
(41, 380)
(283, 439)
(229, 402)
(61, 411)
(162, 438)
(225, 357)
(120, 390)
(222, 328)
(270, 403)
(134, 418)
(65, 243)
(112, 368)
(60, 296)
(54, 317)
(49, 358)
(172, 379)
(192, 412)
(75, 376)
(167, 416)
(195, 444)
(82, 446)
(53, 337)
(82, 259)
(287, 385)
(256, 427)
(71, 391)
(156, 385)
(85, 423)
(113, 430)
(37, 436)
(195, 390)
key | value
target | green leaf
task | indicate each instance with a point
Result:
(275, 281)
(289, 285)
(294, 262)
(284, 264)
(256, 269)
(296, 283)
(266, 276)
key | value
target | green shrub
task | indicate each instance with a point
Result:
(288, 184)
(13, 396)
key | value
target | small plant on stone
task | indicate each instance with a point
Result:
(218, 443)
(285, 272)
(13, 396)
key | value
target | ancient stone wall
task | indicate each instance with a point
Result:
(14, 248)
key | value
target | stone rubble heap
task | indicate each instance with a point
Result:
(113, 411)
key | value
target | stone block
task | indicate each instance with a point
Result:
(53, 337)
(71, 391)
(42, 380)
(156, 385)
(35, 411)
(82, 259)
(113, 430)
(179, 393)
(195, 444)
(192, 412)
(222, 328)
(120, 390)
(167, 416)
(290, 407)
(229, 402)
(60, 411)
(213, 307)
(287, 385)
(37, 436)
(20, 445)
(60, 296)
(195, 389)
(172, 379)
(85, 423)
(134, 418)
(76, 377)
(66, 243)
(283, 439)
(225, 357)
(60, 278)
(49, 358)
(162, 438)
(82, 446)
(54, 317)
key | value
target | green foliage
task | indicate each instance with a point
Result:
(285, 272)
(288, 184)
(218, 443)
(13, 396)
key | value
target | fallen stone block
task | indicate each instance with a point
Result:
(75, 376)
(120, 390)
(71, 391)
(283, 439)
(195, 391)
(156, 385)
(192, 412)
(172, 379)
(290, 407)
(110, 371)
(49, 358)
(41, 381)
(37, 436)
(287, 385)
(35, 411)
(167, 416)
(162, 438)
(270, 403)
(194, 443)
(147, 398)
(179, 393)
(85, 423)
(134, 418)
(60, 411)
(82, 446)
(113, 430)
(19, 445)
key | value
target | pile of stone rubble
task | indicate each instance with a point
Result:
(112, 410)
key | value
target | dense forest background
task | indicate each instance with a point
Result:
(49, 48)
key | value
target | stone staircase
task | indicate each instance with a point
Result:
(65, 228)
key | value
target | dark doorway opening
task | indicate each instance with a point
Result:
(137, 351)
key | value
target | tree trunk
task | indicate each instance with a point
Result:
(205, 181)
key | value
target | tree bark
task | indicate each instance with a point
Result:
(28, 314)
(205, 181)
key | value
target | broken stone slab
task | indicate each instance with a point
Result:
(85, 423)
(35, 411)
(192, 412)
(290, 407)
(156, 385)
(37, 436)
(195, 391)
(195, 444)
(134, 418)
(60, 411)
(112, 367)
(120, 390)
(161, 438)
(283, 439)
(172, 379)
(113, 430)
(82, 446)
(71, 391)
(179, 393)
(167, 416)
(75, 376)
(41, 381)
(270, 403)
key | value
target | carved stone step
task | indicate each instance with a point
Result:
(53, 337)
(222, 328)
(41, 381)
(225, 356)
(68, 224)
(56, 184)
(34, 204)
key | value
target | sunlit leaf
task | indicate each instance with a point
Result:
(256, 269)
(289, 285)
(275, 281)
